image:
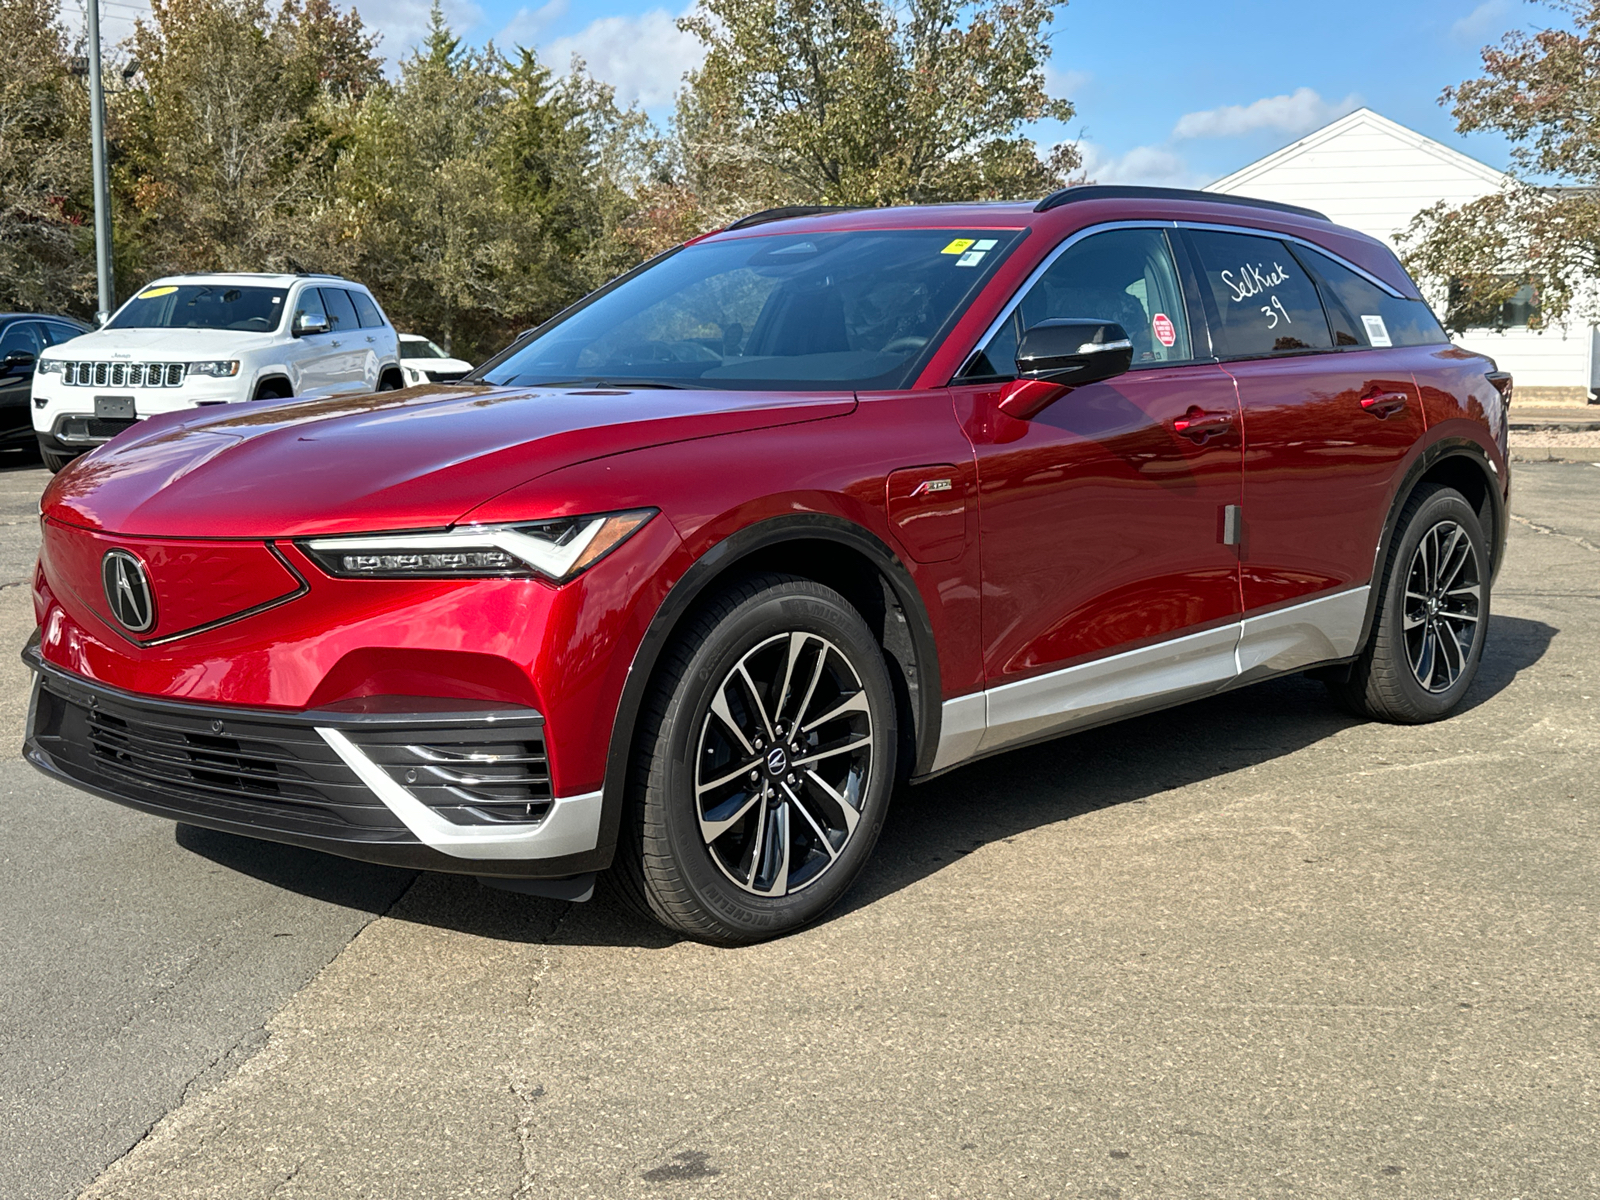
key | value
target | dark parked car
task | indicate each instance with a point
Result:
(687, 579)
(23, 336)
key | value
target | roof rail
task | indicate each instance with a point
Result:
(1101, 191)
(789, 210)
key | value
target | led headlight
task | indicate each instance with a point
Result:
(221, 368)
(557, 549)
(49, 366)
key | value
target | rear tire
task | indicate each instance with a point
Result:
(55, 461)
(763, 767)
(1433, 615)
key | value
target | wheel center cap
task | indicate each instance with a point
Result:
(777, 761)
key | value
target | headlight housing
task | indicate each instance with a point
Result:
(49, 366)
(556, 550)
(221, 368)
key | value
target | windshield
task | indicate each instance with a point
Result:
(417, 347)
(203, 306)
(779, 312)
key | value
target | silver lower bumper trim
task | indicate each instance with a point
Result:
(572, 826)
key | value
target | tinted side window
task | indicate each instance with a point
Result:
(21, 335)
(58, 333)
(366, 311)
(1364, 314)
(1261, 299)
(341, 313)
(1123, 275)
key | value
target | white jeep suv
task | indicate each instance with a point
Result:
(190, 340)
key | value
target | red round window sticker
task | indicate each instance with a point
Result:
(1165, 333)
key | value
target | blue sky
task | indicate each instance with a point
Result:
(1166, 93)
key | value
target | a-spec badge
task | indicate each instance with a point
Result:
(931, 485)
(127, 588)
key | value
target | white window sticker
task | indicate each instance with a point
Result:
(985, 244)
(1377, 331)
(971, 258)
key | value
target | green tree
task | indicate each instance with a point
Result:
(44, 166)
(484, 195)
(1542, 91)
(868, 102)
(226, 143)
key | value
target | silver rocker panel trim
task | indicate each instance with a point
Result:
(572, 826)
(1182, 668)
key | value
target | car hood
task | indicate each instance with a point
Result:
(392, 460)
(137, 345)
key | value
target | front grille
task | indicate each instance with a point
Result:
(118, 374)
(445, 376)
(276, 772)
(90, 431)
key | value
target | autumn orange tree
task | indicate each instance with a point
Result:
(1542, 229)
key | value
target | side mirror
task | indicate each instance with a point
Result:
(305, 323)
(1064, 353)
(17, 360)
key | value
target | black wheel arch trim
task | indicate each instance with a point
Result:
(1430, 457)
(704, 572)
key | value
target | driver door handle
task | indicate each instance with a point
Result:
(1384, 404)
(1199, 424)
(335, 342)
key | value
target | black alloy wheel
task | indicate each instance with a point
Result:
(1432, 618)
(764, 766)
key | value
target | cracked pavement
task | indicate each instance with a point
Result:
(1247, 948)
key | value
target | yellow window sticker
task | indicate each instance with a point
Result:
(152, 293)
(957, 246)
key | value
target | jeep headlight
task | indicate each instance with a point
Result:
(221, 368)
(49, 366)
(556, 550)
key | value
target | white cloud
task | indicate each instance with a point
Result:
(1066, 85)
(643, 57)
(1299, 112)
(402, 24)
(1488, 20)
(1153, 166)
(529, 24)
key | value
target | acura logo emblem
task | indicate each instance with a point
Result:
(128, 591)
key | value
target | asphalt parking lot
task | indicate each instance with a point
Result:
(1248, 948)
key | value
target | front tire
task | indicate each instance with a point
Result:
(764, 765)
(1433, 615)
(54, 461)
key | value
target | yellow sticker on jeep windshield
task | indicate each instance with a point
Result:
(154, 292)
(957, 246)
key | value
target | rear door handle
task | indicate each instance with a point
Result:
(1384, 404)
(1199, 424)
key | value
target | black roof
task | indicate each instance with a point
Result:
(1117, 191)
(17, 316)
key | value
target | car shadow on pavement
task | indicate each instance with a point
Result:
(929, 826)
(365, 887)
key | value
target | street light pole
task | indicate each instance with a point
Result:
(102, 192)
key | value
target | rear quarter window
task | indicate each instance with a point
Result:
(1364, 314)
(366, 310)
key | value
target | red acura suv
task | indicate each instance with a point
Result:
(687, 580)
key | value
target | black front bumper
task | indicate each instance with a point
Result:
(268, 774)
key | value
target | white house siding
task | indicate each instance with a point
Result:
(1369, 173)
